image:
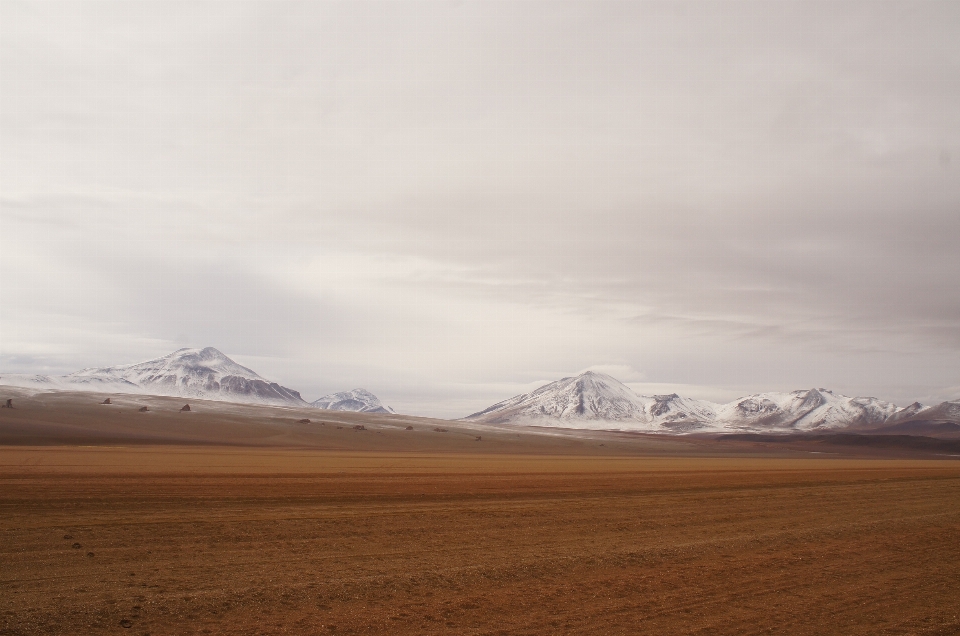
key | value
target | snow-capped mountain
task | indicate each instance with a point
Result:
(358, 401)
(198, 373)
(917, 419)
(944, 412)
(595, 400)
(679, 414)
(813, 409)
(589, 396)
(909, 412)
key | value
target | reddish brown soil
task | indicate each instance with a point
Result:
(223, 541)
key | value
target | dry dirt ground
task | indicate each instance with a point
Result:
(243, 520)
(180, 540)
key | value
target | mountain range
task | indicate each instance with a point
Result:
(599, 401)
(590, 400)
(192, 373)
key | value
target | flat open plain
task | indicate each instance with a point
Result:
(446, 534)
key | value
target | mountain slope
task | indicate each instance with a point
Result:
(198, 373)
(357, 400)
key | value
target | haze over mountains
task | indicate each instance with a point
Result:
(590, 400)
(198, 373)
(598, 401)
(191, 373)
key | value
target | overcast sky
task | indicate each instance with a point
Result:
(449, 203)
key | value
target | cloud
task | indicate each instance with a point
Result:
(452, 202)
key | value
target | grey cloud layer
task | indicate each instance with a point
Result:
(439, 201)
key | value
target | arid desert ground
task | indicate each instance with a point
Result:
(244, 520)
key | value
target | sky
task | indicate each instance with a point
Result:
(450, 203)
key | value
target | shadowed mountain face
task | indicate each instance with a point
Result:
(596, 400)
(357, 401)
(198, 373)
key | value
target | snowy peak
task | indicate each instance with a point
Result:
(184, 366)
(812, 409)
(207, 359)
(357, 401)
(673, 412)
(944, 412)
(198, 373)
(810, 400)
(597, 400)
(588, 396)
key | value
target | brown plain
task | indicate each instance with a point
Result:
(519, 533)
